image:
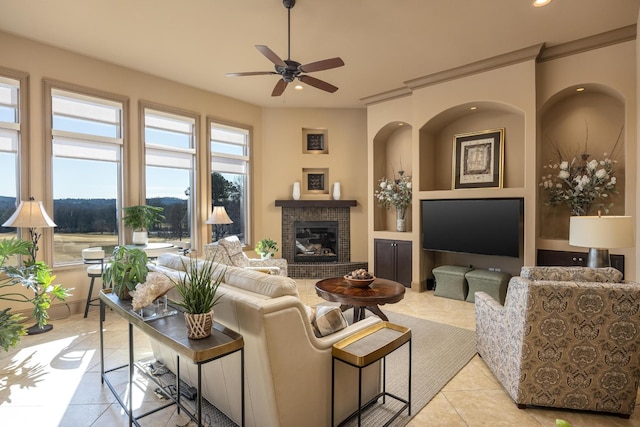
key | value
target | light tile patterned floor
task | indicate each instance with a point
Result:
(53, 379)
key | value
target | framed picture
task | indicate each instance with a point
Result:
(315, 141)
(315, 181)
(478, 159)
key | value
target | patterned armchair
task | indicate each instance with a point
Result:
(566, 337)
(229, 251)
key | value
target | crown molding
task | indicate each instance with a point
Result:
(608, 38)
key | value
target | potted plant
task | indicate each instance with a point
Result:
(266, 248)
(198, 289)
(33, 275)
(141, 219)
(126, 268)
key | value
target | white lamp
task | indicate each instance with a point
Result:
(219, 218)
(599, 234)
(32, 215)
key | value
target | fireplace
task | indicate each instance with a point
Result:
(315, 241)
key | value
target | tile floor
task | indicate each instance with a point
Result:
(53, 379)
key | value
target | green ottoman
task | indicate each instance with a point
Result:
(494, 283)
(451, 282)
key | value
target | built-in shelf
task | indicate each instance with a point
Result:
(316, 203)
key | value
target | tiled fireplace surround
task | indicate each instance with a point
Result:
(318, 210)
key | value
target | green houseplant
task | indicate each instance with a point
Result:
(198, 290)
(33, 275)
(141, 219)
(266, 248)
(126, 268)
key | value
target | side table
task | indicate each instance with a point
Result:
(171, 331)
(364, 348)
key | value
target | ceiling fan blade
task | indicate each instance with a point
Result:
(280, 87)
(271, 55)
(317, 83)
(325, 64)
(251, 73)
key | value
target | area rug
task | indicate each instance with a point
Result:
(439, 352)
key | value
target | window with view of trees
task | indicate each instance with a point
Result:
(170, 141)
(230, 175)
(9, 148)
(87, 140)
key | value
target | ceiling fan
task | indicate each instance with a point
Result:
(289, 70)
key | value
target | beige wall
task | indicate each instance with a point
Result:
(276, 144)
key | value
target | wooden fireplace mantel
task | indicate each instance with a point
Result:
(316, 203)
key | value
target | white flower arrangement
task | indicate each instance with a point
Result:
(395, 193)
(580, 184)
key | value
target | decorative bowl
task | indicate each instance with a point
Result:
(359, 283)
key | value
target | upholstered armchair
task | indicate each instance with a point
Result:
(229, 251)
(566, 337)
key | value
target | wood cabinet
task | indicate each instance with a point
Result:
(573, 259)
(392, 260)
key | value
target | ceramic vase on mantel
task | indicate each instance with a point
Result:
(336, 191)
(400, 219)
(198, 325)
(296, 191)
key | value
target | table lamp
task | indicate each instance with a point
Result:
(599, 234)
(219, 218)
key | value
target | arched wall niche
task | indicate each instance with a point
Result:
(437, 139)
(391, 154)
(572, 124)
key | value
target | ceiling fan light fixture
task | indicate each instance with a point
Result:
(298, 87)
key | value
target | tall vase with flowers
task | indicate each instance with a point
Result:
(395, 193)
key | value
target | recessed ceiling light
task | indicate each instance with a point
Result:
(580, 89)
(298, 87)
(473, 108)
(400, 124)
(540, 3)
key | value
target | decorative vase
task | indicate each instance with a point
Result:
(400, 219)
(296, 190)
(140, 238)
(336, 191)
(266, 256)
(199, 325)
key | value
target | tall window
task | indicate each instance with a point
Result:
(230, 175)
(9, 148)
(86, 172)
(170, 141)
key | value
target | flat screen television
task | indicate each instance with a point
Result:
(475, 226)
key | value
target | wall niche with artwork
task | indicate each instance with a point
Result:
(580, 121)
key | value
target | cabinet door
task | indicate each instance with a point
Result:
(403, 263)
(384, 259)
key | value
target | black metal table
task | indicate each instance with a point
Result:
(171, 331)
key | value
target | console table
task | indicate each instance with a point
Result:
(171, 331)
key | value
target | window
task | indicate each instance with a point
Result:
(170, 141)
(86, 173)
(230, 175)
(10, 115)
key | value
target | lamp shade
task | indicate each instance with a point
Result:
(219, 216)
(30, 214)
(603, 232)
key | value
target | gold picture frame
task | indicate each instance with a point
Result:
(315, 181)
(478, 159)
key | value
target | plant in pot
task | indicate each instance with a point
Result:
(198, 290)
(33, 275)
(126, 268)
(266, 248)
(141, 219)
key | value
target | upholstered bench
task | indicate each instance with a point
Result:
(494, 283)
(451, 282)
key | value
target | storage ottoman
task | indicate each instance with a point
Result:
(451, 282)
(494, 283)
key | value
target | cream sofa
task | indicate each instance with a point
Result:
(287, 368)
(566, 337)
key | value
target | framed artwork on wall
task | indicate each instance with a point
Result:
(315, 181)
(315, 141)
(478, 159)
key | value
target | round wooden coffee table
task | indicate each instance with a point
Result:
(380, 292)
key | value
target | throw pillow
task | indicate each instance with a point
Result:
(328, 319)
